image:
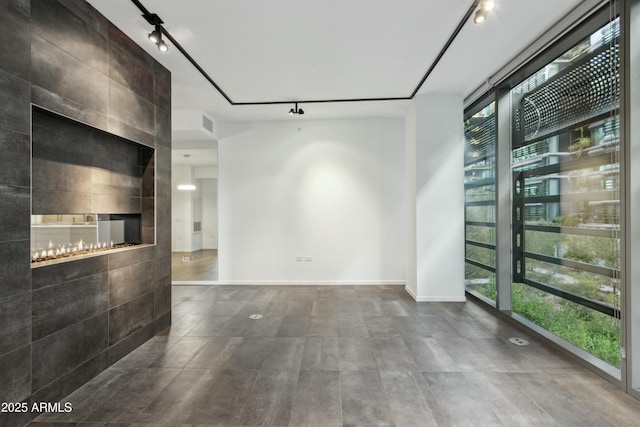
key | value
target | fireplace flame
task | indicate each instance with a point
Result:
(72, 249)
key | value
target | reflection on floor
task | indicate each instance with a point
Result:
(194, 266)
(341, 355)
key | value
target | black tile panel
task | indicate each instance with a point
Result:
(16, 9)
(15, 268)
(120, 40)
(130, 256)
(131, 109)
(117, 150)
(14, 162)
(15, 96)
(115, 204)
(161, 72)
(70, 33)
(51, 175)
(148, 212)
(129, 132)
(67, 271)
(162, 322)
(163, 241)
(163, 128)
(60, 353)
(57, 307)
(163, 92)
(66, 76)
(148, 180)
(15, 51)
(111, 183)
(129, 317)
(129, 282)
(163, 216)
(61, 387)
(163, 172)
(15, 213)
(130, 72)
(130, 343)
(148, 235)
(15, 318)
(52, 101)
(59, 139)
(88, 14)
(56, 202)
(15, 375)
(163, 269)
(162, 298)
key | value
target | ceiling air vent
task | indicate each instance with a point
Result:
(207, 123)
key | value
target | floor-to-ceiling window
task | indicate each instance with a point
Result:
(547, 144)
(480, 200)
(566, 195)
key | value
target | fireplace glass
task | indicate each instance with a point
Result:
(68, 235)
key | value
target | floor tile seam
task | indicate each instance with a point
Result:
(529, 395)
(421, 394)
(111, 395)
(187, 362)
(253, 385)
(568, 390)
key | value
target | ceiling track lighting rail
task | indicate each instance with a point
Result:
(153, 19)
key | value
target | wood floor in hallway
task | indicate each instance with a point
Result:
(195, 266)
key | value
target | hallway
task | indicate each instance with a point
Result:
(340, 355)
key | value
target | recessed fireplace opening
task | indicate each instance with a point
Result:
(61, 236)
(92, 191)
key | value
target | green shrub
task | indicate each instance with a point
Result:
(590, 330)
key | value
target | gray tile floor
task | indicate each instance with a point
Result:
(341, 355)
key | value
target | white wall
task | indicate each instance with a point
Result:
(180, 210)
(329, 190)
(186, 207)
(437, 182)
(209, 213)
(410, 190)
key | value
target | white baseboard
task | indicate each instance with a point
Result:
(434, 299)
(292, 283)
(410, 292)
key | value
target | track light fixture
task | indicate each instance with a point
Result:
(162, 46)
(484, 6)
(296, 110)
(156, 35)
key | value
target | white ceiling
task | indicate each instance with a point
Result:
(281, 50)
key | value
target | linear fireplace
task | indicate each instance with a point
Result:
(62, 236)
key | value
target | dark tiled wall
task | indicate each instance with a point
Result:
(63, 324)
(80, 169)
